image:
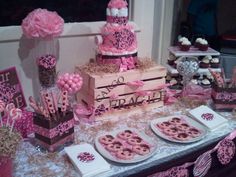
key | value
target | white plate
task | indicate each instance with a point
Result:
(137, 158)
(190, 121)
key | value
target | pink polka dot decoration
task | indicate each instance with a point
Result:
(70, 82)
(226, 151)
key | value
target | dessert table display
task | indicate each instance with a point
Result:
(31, 161)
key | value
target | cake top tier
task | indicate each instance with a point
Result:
(117, 12)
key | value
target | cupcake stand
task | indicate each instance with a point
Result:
(175, 53)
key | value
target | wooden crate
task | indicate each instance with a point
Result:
(105, 92)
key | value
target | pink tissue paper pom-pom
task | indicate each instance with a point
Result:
(117, 4)
(42, 23)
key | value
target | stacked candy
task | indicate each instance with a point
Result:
(47, 70)
(70, 82)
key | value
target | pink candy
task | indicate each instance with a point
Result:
(70, 82)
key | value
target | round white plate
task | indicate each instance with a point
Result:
(190, 121)
(137, 158)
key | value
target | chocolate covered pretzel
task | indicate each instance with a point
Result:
(115, 146)
(125, 134)
(125, 154)
(141, 149)
(135, 140)
(107, 139)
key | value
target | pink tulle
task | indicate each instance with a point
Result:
(117, 4)
(42, 23)
(196, 92)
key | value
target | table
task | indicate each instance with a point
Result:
(32, 162)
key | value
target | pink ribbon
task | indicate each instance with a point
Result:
(84, 113)
(126, 64)
(143, 93)
(135, 83)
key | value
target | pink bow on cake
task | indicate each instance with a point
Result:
(126, 64)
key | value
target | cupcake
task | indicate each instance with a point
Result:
(205, 63)
(203, 45)
(194, 81)
(197, 42)
(185, 45)
(205, 83)
(181, 40)
(171, 60)
(215, 63)
(209, 77)
(173, 82)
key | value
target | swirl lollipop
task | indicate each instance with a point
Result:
(187, 67)
(9, 107)
(2, 108)
(15, 114)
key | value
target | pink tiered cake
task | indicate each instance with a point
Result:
(118, 81)
(117, 43)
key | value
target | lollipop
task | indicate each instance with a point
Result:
(15, 114)
(2, 108)
(9, 107)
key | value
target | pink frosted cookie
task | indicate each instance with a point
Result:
(193, 132)
(183, 126)
(176, 120)
(135, 140)
(141, 149)
(125, 134)
(182, 136)
(125, 154)
(115, 146)
(173, 131)
(107, 139)
(163, 125)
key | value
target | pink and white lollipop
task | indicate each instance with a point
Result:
(70, 82)
(2, 109)
(8, 108)
(15, 114)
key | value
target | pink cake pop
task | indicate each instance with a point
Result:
(70, 82)
(2, 108)
(15, 114)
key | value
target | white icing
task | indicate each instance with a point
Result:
(108, 12)
(205, 60)
(183, 39)
(209, 57)
(114, 12)
(215, 60)
(173, 81)
(186, 42)
(206, 82)
(203, 42)
(123, 12)
(194, 81)
(198, 40)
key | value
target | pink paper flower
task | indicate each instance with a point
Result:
(42, 23)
